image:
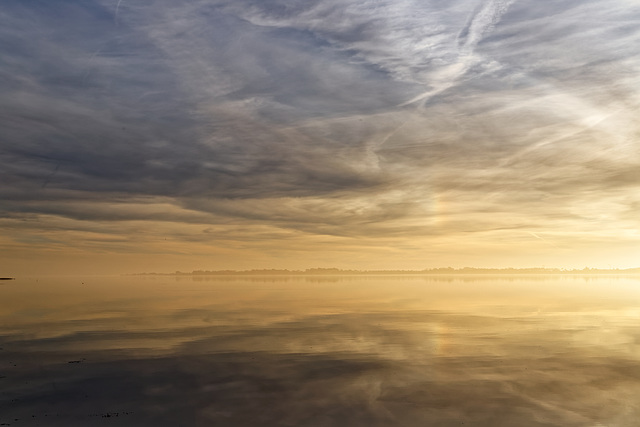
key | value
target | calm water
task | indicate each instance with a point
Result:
(320, 351)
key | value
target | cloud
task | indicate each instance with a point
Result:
(320, 117)
(481, 22)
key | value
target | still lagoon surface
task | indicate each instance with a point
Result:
(485, 351)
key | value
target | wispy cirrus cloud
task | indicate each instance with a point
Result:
(351, 119)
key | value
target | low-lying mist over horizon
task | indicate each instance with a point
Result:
(360, 134)
(429, 271)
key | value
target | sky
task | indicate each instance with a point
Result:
(369, 134)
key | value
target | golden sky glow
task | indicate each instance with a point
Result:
(393, 134)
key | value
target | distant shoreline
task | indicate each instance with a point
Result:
(435, 271)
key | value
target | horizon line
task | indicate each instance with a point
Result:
(438, 270)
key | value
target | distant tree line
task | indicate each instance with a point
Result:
(438, 271)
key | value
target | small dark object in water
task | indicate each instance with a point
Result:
(7, 278)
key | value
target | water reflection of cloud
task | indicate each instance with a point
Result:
(375, 369)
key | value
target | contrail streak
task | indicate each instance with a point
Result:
(115, 18)
(484, 20)
(543, 239)
(480, 22)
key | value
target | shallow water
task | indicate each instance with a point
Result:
(321, 351)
